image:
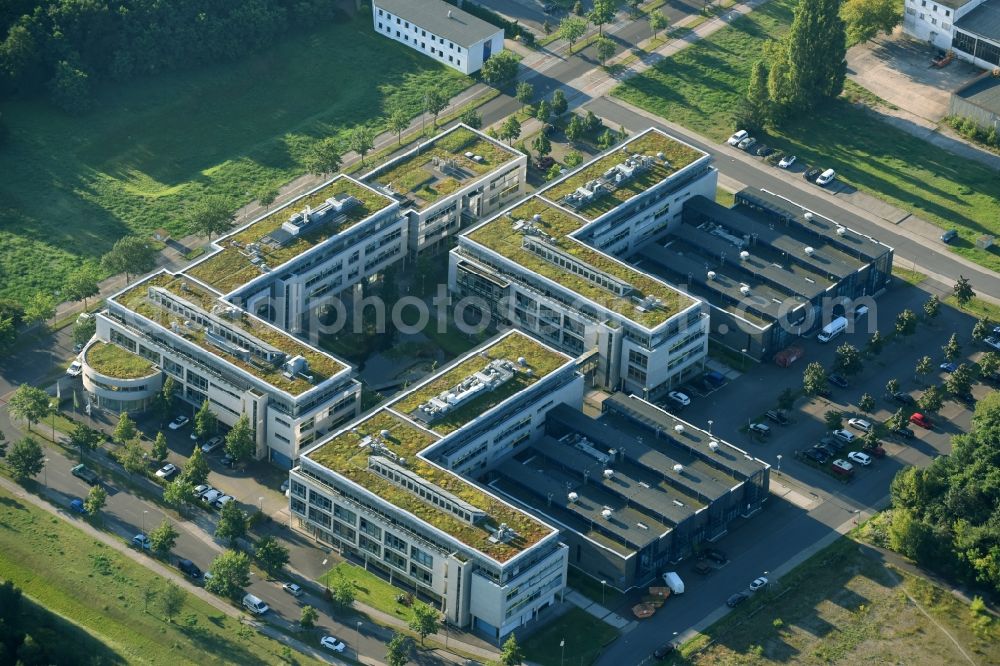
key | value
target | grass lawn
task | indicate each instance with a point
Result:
(702, 86)
(908, 276)
(590, 587)
(978, 308)
(150, 148)
(845, 607)
(369, 589)
(104, 593)
(584, 634)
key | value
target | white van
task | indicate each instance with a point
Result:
(833, 329)
(826, 177)
(255, 604)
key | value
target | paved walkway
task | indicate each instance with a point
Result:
(600, 612)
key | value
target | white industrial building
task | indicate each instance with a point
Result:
(969, 28)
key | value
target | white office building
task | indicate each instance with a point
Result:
(439, 30)
(933, 21)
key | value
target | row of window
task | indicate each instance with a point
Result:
(423, 45)
(423, 33)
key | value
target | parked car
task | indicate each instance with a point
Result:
(904, 398)
(255, 604)
(811, 174)
(860, 458)
(875, 451)
(845, 436)
(736, 599)
(786, 161)
(737, 137)
(948, 367)
(292, 589)
(904, 432)
(916, 418)
(748, 143)
(949, 235)
(680, 398)
(88, 475)
(332, 643)
(842, 467)
(702, 567)
(142, 542)
(761, 429)
(993, 342)
(764, 150)
(758, 583)
(545, 163)
(860, 424)
(211, 495)
(76, 505)
(189, 567)
(75, 369)
(212, 444)
(179, 422)
(167, 471)
(777, 415)
(818, 453)
(829, 448)
(200, 490)
(839, 380)
(715, 555)
(228, 460)
(223, 501)
(860, 311)
(663, 651)
(826, 177)
(285, 485)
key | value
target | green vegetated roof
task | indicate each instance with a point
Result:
(230, 267)
(344, 455)
(114, 361)
(676, 154)
(415, 175)
(321, 366)
(538, 358)
(500, 236)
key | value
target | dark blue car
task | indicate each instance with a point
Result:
(77, 506)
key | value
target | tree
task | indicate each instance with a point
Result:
(472, 118)
(29, 403)
(196, 470)
(510, 129)
(605, 48)
(779, 82)
(543, 112)
(571, 29)
(591, 123)
(575, 129)
(758, 100)
(230, 574)
(542, 145)
(82, 284)
(817, 52)
(898, 420)
(240, 443)
(786, 399)
(434, 103)
(963, 291)
(814, 378)
(133, 458)
(69, 88)
(26, 459)
(323, 157)
(397, 122)
(83, 330)
(232, 523)
(848, 359)
(270, 554)
(523, 93)
(130, 255)
(931, 399)
(906, 322)
(398, 651)
(210, 215)
(960, 381)
(84, 439)
(179, 493)
(163, 538)
(159, 452)
(876, 343)
(499, 69)
(424, 621)
(172, 600)
(554, 172)
(923, 366)
(559, 103)
(40, 308)
(833, 419)
(866, 403)
(657, 22)
(168, 393)
(578, 8)
(361, 140)
(510, 653)
(981, 330)
(602, 12)
(951, 349)
(633, 9)
(205, 422)
(989, 363)
(125, 430)
(96, 499)
(932, 307)
(342, 591)
(892, 387)
(308, 617)
(266, 195)
(865, 19)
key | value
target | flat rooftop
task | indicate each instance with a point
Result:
(386, 436)
(635, 166)
(440, 166)
(984, 92)
(479, 382)
(536, 235)
(227, 332)
(443, 19)
(115, 361)
(984, 20)
(281, 235)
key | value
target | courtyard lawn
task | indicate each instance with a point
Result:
(584, 634)
(104, 593)
(370, 589)
(150, 148)
(702, 86)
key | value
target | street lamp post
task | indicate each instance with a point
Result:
(357, 629)
(779, 463)
(743, 363)
(562, 652)
(710, 422)
(144, 521)
(260, 504)
(45, 472)
(604, 584)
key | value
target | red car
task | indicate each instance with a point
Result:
(919, 419)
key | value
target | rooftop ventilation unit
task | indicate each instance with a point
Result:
(495, 374)
(572, 497)
(678, 468)
(384, 434)
(537, 217)
(810, 251)
(714, 445)
(745, 289)
(606, 513)
(521, 361)
(678, 428)
(808, 215)
(841, 231)
(744, 255)
(609, 473)
(503, 534)
(711, 275)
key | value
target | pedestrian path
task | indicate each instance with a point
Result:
(600, 612)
